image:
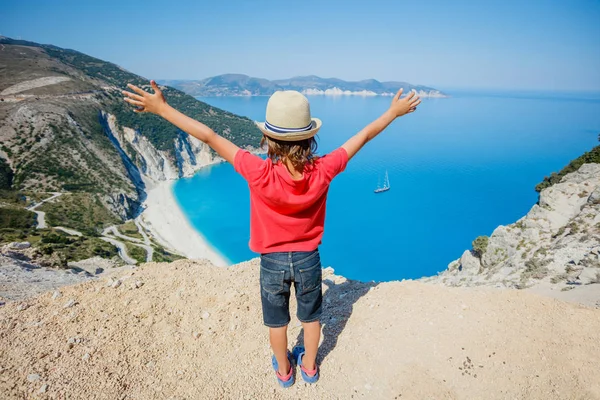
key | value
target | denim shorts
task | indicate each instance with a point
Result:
(277, 273)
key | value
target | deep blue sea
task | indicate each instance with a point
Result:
(458, 168)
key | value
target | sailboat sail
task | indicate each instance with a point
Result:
(386, 184)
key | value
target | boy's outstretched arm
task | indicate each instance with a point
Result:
(156, 104)
(398, 108)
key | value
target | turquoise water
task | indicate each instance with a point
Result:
(458, 168)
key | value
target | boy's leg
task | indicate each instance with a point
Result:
(278, 338)
(309, 296)
(275, 278)
(312, 335)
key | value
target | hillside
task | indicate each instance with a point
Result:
(192, 330)
(243, 85)
(55, 108)
(65, 129)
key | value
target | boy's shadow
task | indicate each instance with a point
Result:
(338, 302)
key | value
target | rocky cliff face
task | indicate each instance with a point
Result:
(146, 164)
(557, 243)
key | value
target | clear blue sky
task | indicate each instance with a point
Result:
(552, 45)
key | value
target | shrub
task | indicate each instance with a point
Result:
(592, 156)
(16, 218)
(480, 245)
(536, 269)
(574, 227)
(6, 175)
(56, 238)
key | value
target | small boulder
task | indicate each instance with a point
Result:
(594, 197)
(70, 303)
(56, 295)
(33, 377)
(137, 285)
(469, 262)
(589, 276)
(19, 245)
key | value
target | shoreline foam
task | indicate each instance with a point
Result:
(166, 221)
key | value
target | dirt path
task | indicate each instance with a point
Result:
(41, 216)
(34, 84)
(71, 232)
(191, 330)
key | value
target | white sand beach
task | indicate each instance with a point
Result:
(163, 217)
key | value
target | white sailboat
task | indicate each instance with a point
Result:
(386, 184)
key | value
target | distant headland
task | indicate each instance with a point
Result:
(244, 85)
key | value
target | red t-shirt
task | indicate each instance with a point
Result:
(287, 214)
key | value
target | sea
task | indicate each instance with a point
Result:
(458, 168)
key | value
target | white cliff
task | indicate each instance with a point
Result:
(192, 154)
(151, 165)
(367, 93)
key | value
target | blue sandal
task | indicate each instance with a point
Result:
(307, 375)
(284, 381)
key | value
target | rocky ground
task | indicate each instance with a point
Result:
(191, 330)
(24, 272)
(20, 279)
(555, 248)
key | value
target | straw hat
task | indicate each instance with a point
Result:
(288, 117)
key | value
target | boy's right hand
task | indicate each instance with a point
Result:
(144, 101)
(405, 105)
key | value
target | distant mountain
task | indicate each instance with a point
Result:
(244, 85)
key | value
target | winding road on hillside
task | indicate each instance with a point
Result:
(41, 216)
(145, 244)
(122, 249)
(109, 234)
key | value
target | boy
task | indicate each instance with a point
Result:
(288, 193)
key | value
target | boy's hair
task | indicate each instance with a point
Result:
(300, 153)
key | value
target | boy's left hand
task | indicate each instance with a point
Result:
(146, 102)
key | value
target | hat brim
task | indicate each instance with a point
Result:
(292, 136)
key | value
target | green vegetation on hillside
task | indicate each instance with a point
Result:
(161, 255)
(592, 156)
(67, 248)
(136, 252)
(12, 197)
(81, 211)
(16, 218)
(130, 229)
(60, 169)
(6, 175)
